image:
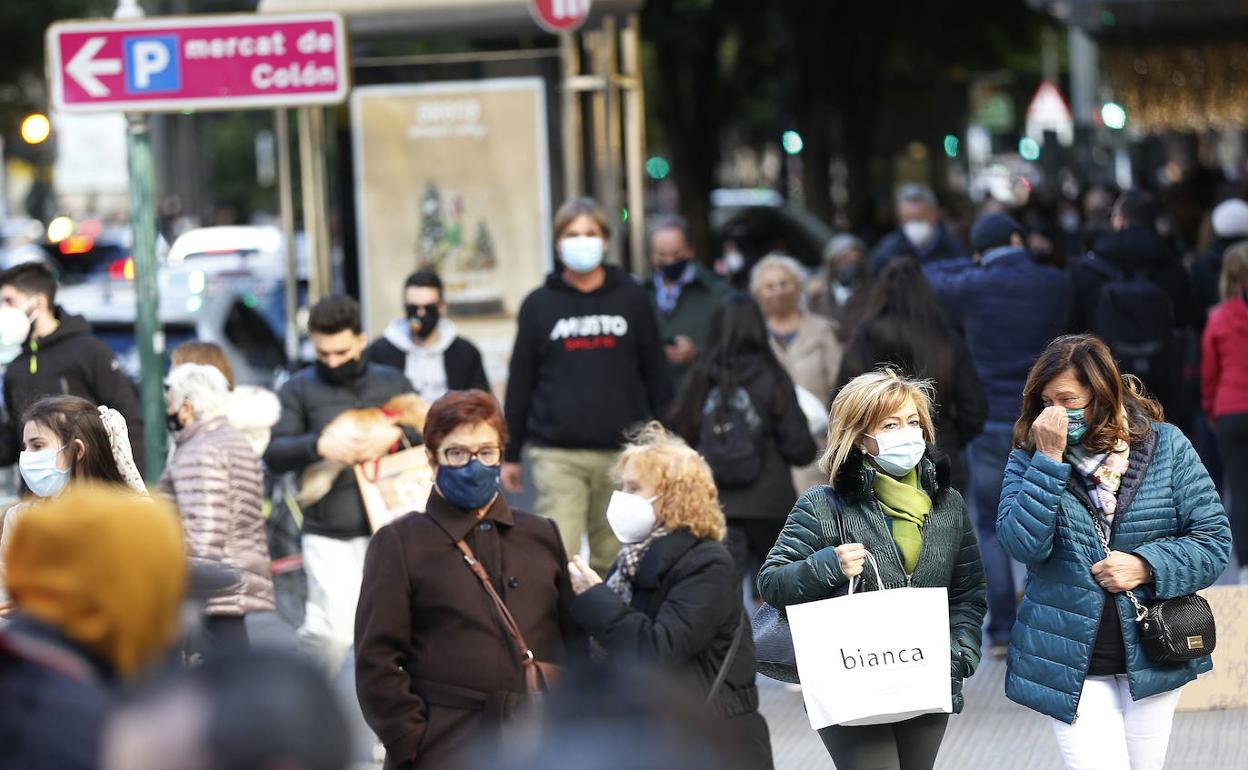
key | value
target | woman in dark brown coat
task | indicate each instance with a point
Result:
(435, 669)
(215, 480)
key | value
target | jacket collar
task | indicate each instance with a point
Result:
(662, 555)
(856, 478)
(198, 427)
(457, 522)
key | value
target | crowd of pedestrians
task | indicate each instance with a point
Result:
(698, 444)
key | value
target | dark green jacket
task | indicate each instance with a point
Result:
(692, 316)
(803, 567)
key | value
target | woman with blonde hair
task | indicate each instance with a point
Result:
(673, 597)
(896, 503)
(1224, 387)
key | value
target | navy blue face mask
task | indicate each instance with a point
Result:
(470, 487)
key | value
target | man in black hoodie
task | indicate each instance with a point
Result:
(61, 357)
(1135, 251)
(587, 365)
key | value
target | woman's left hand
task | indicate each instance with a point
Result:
(583, 578)
(1120, 572)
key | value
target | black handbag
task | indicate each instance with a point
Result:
(773, 641)
(1171, 630)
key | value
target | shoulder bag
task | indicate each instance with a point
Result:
(773, 641)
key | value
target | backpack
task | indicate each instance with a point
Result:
(1135, 317)
(730, 438)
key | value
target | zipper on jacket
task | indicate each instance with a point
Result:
(896, 554)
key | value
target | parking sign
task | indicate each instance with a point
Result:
(197, 62)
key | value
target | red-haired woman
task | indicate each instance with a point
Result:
(435, 669)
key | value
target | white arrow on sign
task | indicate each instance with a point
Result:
(84, 67)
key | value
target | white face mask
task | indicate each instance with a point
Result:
(14, 329)
(40, 473)
(900, 450)
(734, 262)
(918, 231)
(582, 253)
(631, 516)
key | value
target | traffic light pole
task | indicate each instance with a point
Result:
(148, 334)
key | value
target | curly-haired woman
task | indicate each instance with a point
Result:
(673, 597)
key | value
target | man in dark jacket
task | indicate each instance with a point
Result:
(587, 365)
(1136, 250)
(1010, 307)
(426, 346)
(61, 357)
(335, 528)
(920, 234)
(683, 293)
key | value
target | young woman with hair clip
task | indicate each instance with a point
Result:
(67, 439)
(1106, 505)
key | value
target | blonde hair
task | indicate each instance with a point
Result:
(682, 480)
(1234, 270)
(866, 400)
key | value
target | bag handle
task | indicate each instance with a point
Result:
(376, 462)
(723, 667)
(875, 566)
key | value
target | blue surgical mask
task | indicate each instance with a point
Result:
(470, 487)
(581, 254)
(1076, 427)
(40, 473)
(900, 450)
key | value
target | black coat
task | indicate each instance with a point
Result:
(54, 698)
(1135, 250)
(308, 405)
(70, 361)
(464, 369)
(685, 611)
(435, 671)
(786, 442)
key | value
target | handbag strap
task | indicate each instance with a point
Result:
(1141, 611)
(513, 628)
(723, 667)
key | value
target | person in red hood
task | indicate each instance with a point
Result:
(1224, 388)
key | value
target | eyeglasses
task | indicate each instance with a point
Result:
(458, 456)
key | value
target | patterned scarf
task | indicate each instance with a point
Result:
(906, 506)
(628, 562)
(1101, 474)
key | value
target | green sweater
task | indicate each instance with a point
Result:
(692, 316)
(803, 566)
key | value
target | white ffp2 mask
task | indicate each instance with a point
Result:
(631, 516)
(900, 450)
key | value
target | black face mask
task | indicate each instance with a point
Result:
(172, 422)
(673, 271)
(341, 374)
(847, 274)
(423, 326)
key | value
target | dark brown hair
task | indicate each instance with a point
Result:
(333, 314)
(71, 417)
(577, 207)
(462, 407)
(207, 353)
(31, 278)
(1094, 367)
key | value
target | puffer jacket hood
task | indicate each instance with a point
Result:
(1169, 514)
(216, 482)
(253, 412)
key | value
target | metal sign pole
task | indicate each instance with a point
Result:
(149, 336)
(286, 204)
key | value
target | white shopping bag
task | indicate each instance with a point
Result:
(873, 657)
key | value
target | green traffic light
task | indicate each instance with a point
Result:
(792, 142)
(1114, 116)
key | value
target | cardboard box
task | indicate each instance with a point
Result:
(1227, 685)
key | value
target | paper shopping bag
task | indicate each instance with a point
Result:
(874, 657)
(394, 484)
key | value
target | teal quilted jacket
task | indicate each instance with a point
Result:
(803, 567)
(1168, 513)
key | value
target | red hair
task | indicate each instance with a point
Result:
(462, 407)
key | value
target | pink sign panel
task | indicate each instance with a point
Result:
(197, 63)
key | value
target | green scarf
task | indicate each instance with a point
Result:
(907, 506)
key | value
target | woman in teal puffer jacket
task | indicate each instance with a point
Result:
(898, 505)
(1094, 453)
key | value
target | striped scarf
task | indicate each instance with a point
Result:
(1101, 474)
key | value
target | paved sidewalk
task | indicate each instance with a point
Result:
(994, 733)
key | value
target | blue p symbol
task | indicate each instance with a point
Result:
(152, 64)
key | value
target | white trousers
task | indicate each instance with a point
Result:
(1113, 732)
(334, 569)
